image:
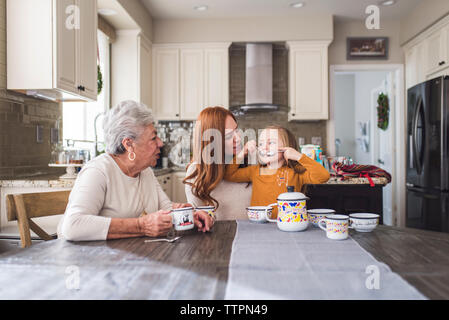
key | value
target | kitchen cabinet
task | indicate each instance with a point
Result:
(52, 48)
(131, 68)
(437, 50)
(415, 69)
(427, 55)
(308, 80)
(178, 187)
(165, 182)
(189, 77)
(346, 198)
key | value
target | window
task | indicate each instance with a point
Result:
(79, 125)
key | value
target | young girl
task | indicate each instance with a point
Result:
(280, 165)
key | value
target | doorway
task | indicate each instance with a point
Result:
(353, 130)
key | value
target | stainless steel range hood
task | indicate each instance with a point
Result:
(259, 81)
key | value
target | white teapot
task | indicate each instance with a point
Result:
(292, 211)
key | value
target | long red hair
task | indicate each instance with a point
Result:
(207, 176)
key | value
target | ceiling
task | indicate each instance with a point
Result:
(120, 20)
(223, 9)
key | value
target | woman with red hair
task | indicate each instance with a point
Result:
(204, 179)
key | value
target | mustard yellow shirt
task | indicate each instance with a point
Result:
(266, 188)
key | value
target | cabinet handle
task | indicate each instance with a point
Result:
(293, 114)
(441, 63)
(81, 88)
(177, 114)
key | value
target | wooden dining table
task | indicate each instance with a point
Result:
(194, 267)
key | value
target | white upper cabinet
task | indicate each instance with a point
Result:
(308, 80)
(427, 55)
(52, 48)
(189, 77)
(131, 68)
(415, 66)
(216, 91)
(192, 83)
(437, 51)
(166, 83)
(88, 48)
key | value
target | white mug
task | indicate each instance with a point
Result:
(259, 214)
(336, 226)
(182, 218)
(364, 222)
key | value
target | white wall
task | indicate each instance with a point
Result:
(344, 113)
(318, 27)
(140, 15)
(352, 101)
(345, 29)
(423, 16)
(365, 82)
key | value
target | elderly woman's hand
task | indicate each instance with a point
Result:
(180, 205)
(156, 224)
(203, 220)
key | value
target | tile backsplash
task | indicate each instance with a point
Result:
(20, 154)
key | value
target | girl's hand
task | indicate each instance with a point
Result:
(250, 147)
(291, 154)
(203, 220)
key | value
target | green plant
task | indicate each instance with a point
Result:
(99, 80)
(383, 111)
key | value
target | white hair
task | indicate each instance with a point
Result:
(128, 119)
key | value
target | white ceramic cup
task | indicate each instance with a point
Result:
(315, 215)
(260, 214)
(209, 209)
(183, 218)
(336, 226)
(363, 222)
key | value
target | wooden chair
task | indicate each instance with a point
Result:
(22, 207)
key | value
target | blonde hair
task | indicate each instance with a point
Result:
(288, 140)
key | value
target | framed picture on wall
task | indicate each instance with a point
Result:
(367, 48)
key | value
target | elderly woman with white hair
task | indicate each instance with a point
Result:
(116, 195)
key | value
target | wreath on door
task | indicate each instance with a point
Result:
(383, 111)
(99, 80)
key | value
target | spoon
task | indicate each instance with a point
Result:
(167, 240)
(269, 153)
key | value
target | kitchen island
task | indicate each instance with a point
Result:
(347, 196)
(197, 265)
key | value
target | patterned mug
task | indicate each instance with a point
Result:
(336, 226)
(259, 214)
(209, 209)
(182, 218)
(315, 215)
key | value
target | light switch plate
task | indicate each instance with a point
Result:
(39, 133)
(54, 135)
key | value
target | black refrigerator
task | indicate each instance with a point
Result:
(427, 155)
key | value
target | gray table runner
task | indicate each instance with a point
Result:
(267, 263)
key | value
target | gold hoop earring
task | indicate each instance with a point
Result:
(133, 156)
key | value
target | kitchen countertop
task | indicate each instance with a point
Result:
(53, 181)
(339, 180)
